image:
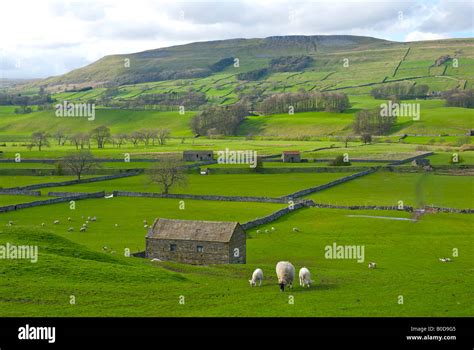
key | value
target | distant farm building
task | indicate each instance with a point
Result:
(421, 162)
(291, 156)
(193, 156)
(196, 242)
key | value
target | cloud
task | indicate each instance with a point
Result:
(418, 36)
(62, 35)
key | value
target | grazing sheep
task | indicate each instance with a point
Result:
(116, 225)
(257, 275)
(286, 274)
(145, 222)
(266, 231)
(70, 229)
(295, 229)
(56, 222)
(10, 223)
(372, 265)
(273, 229)
(445, 259)
(43, 224)
(105, 248)
(258, 231)
(305, 277)
(69, 219)
(145, 226)
(93, 218)
(88, 218)
(87, 221)
(83, 229)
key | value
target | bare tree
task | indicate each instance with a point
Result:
(120, 139)
(100, 134)
(80, 140)
(61, 136)
(79, 162)
(135, 137)
(39, 139)
(147, 135)
(167, 173)
(162, 135)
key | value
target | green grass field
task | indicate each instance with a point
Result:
(385, 188)
(408, 266)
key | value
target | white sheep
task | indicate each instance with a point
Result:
(445, 259)
(257, 275)
(145, 226)
(10, 223)
(69, 219)
(145, 222)
(258, 231)
(43, 224)
(70, 229)
(305, 277)
(372, 265)
(286, 274)
(273, 229)
(83, 229)
(93, 218)
(266, 231)
(116, 225)
(295, 229)
(56, 222)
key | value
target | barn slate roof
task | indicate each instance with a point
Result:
(192, 230)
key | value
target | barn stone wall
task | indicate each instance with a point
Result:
(186, 251)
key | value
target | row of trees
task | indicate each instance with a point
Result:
(304, 101)
(459, 98)
(166, 173)
(101, 136)
(402, 91)
(217, 120)
(371, 122)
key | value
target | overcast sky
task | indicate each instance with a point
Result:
(40, 38)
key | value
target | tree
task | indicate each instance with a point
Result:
(79, 162)
(147, 135)
(167, 173)
(39, 139)
(80, 139)
(162, 135)
(366, 138)
(60, 136)
(120, 139)
(100, 134)
(135, 137)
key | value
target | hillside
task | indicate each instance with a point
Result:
(195, 60)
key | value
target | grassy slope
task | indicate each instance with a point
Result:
(384, 188)
(407, 266)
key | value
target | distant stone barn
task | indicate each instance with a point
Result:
(196, 156)
(291, 157)
(196, 242)
(420, 162)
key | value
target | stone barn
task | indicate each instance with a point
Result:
(196, 156)
(291, 156)
(196, 242)
(422, 162)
